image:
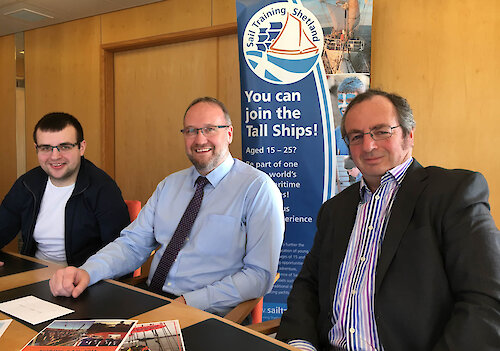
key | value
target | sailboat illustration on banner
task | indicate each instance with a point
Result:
(285, 53)
(293, 40)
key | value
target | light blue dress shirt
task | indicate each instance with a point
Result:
(233, 249)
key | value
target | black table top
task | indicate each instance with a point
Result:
(102, 300)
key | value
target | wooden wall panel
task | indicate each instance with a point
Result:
(229, 86)
(62, 74)
(8, 164)
(153, 87)
(224, 11)
(155, 19)
(443, 56)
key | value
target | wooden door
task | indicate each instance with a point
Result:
(153, 87)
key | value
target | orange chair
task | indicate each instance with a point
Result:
(134, 207)
(257, 311)
(252, 307)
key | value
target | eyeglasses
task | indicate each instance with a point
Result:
(206, 131)
(62, 148)
(377, 133)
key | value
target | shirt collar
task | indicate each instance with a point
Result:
(215, 176)
(397, 173)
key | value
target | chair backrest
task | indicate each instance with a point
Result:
(134, 207)
(258, 309)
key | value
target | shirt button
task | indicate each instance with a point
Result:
(370, 227)
(168, 284)
(377, 197)
(353, 291)
(362, 258)
(352, 330)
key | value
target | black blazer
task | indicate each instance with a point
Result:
(437, 284)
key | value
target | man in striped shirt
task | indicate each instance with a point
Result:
(406, 259)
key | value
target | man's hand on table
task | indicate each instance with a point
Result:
(69, 281)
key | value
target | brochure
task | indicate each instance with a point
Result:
(82, 335)
(157, 336)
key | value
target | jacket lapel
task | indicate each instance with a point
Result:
(402, 211)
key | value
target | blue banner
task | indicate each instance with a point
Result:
(287, 123)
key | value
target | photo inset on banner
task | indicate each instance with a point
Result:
(346, 56)
(343, 88)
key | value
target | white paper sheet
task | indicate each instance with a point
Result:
(33, 310)
(4, 323)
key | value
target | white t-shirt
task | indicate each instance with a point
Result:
(49, 228)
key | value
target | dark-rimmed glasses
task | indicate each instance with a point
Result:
(62, 148)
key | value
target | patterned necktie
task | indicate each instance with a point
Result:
(178, 239)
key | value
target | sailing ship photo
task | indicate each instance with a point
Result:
(347, 34)
(346, 57)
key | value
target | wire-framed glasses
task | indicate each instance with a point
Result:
(377, 133)
(206, 131)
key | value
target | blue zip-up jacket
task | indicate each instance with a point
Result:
(95, 212)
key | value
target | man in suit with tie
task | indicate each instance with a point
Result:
(406, 259)
(219, 226)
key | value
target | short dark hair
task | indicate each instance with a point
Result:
(57, 121)
(403, 109)
(210, 100)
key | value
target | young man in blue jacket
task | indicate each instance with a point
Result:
(67, 208)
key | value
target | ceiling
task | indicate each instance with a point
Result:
(21, 15)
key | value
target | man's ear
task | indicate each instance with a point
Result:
(83, 146)
(411, 137)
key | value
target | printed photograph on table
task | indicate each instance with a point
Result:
(84, 335)
(157, 336)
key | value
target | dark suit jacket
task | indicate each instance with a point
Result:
(437, 284)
